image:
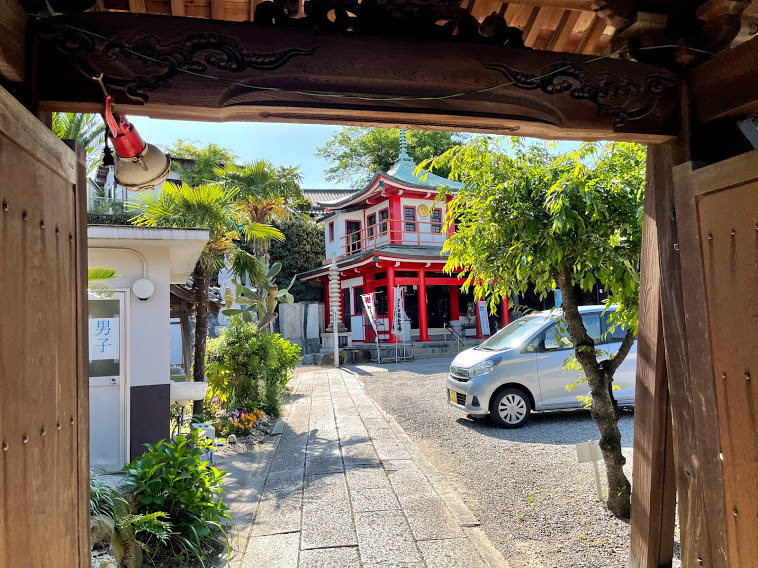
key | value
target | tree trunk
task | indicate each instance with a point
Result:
(604, 409)
(201, 279)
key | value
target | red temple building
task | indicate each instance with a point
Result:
(388, 234)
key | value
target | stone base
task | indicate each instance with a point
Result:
(345, 340)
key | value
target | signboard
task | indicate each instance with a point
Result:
(368, 303)
(588, 451)
(104, 339)
(484, 320)
(398, 314)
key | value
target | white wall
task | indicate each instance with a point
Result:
(149, 336)
(424, 235)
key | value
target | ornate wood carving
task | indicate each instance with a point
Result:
(621, 99)
(199, 53)
(209, 70)
(694, 30)
(432, 19)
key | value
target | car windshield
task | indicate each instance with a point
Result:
(514, 334)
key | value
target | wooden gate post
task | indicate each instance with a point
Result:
(44, 391)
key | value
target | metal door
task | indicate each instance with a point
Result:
(107, 381)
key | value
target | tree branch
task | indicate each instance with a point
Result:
(621, 354)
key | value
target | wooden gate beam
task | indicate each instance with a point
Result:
(12, 41)
(251, 72)
(727, 85)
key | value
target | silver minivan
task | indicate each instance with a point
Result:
(520, 368)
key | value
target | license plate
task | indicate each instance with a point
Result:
(453, 397)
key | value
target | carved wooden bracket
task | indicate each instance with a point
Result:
(421, 19)
(693, 30)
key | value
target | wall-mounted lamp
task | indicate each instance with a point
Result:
(143, 289)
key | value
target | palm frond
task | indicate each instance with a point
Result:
(96, 285)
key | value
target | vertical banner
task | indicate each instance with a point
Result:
(484, 320)
(398, 313)
(368, 303)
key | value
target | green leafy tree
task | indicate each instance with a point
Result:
(357, 152)
(546, 220)
(302, 249)
(264, 192)
(210, 206)
(87, 129)
(205, 161)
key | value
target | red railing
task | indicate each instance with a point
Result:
(393, 231)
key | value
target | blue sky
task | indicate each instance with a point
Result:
(282, 144)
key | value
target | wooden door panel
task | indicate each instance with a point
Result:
(717, 216)
(729, 241)
(43, 486)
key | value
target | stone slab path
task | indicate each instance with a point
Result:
(343, 486)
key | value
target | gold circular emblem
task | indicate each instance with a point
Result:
(423, 210)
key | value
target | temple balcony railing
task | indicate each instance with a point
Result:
(393, 232)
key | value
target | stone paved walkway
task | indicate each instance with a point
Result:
(344, 486)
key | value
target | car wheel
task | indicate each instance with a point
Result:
(510, 408)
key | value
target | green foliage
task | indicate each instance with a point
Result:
(104, 218)
(264, 190)
(525, 215)
(247, 366)
(87, 129)
(357, 153)
(211, 206)
(105, 500)
(206, 161)
(152, 529)
(172, 478)
(96, 285)
(257, 306)
(302, 249)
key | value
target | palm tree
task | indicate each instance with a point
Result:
(96, 281)
(264, 192)
(87, 129)
(210, 206)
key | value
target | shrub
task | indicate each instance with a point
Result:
(105, 500)
(172, 477)
(250, 367)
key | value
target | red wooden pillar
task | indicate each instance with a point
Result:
(327, 310)
(423, 320)
(391, 300)
(455, 310)
(505, 315)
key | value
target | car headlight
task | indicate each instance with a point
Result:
(481, 369)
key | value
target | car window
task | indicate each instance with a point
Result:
(557, 336)
(617, 334)
(592, 325)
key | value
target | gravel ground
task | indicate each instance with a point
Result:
(535, 502)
